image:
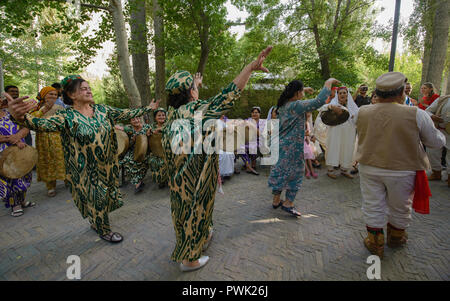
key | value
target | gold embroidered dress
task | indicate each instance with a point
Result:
(193, 177)
(90, 153)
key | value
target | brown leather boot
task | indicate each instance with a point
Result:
(396, 237)
(375, 243)
(435, 176)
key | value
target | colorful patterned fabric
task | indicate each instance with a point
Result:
(136, 171)
(12, 191)
(68, 79)
(50, 166)
(180, 81)
(287, 173)
(158, 166)
(193, 177)
(90, 155)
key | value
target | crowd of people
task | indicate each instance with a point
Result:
(383, 139)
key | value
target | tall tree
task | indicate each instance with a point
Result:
(160, 58)
(139, 48)
(439, 44)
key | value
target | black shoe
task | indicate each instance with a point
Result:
(139, 188)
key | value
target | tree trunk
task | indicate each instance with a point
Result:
(204, 43)
(427, 23)
(446, 88)
(115, 7)
(160, 60)
(324, 63)
(438, 51)
(139, 46)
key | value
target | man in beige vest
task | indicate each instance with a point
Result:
(439, 111)
(390, 151)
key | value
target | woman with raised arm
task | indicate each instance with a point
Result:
(193, 177)
(287, 173)
(90, 149)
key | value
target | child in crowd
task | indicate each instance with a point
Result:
(308, 150)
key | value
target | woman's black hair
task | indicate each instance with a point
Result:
(177, 100)
(71, 87)
(289, 92)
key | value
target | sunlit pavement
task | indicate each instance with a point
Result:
(252, 241)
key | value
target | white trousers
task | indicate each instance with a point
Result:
(435, 154)
(387, 197)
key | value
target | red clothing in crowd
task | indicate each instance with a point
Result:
(427, 101)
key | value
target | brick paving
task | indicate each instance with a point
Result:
(251, 241)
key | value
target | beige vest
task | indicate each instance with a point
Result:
(388, 137)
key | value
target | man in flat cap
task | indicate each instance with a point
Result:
(393, 162)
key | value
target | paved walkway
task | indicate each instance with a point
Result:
(252, 241)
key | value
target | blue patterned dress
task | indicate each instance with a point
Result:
(12, 191)
(287, 173)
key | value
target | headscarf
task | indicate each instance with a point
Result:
(44, 91)
(257, 108)
(269, 116)
(351, 105)
(159, 110)
(41, 96)
(178, 82)
(68, 79)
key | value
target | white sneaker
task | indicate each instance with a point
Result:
(202, 261)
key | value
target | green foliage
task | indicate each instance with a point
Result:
(32, 61)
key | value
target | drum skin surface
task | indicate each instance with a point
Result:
(155, 145)
(16, 163)
(140, 148)
(123, 142)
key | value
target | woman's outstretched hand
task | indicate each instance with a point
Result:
(330, 82)
(241, 80)
(257, 64)
(154, 104)
(18, 108)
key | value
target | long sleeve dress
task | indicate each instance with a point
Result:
(135, 170)
(50, 166)
(193, 177)
(12, 191)
(90, 154)
(287, 173)
(158, 167)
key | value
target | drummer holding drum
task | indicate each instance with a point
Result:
(135, 160)
(158, 166)
(12, 188)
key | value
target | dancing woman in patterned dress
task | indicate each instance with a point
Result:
(193, 177)
(287, 173)
(90, 149)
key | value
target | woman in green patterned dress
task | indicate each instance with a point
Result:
(90, 149)
(157, 165)
(193, 177)
(134, 169)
